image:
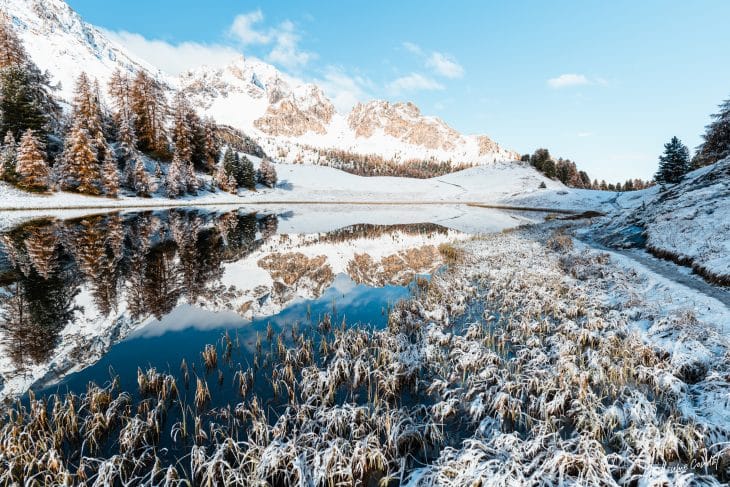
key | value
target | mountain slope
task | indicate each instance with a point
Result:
(288, 116)
(687, 223)
(60, 42)
(285, 112)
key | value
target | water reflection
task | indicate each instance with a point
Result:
(147, 261)
(70, 289)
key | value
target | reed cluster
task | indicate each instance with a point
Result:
(521, 364)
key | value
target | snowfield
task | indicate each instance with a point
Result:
(510, 184)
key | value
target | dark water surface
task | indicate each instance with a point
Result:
(97, 297)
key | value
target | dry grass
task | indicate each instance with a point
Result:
(506, 370)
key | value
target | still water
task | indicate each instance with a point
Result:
(97, 297)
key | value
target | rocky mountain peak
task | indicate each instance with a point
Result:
(403, 121)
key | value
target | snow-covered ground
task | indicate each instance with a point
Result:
(508, 183)
(688, 223)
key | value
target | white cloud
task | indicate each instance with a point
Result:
(414, 48)
(585, 134)
(244, 31)
(439, 63)
(284, 38)
(344, 90)
(173, 58)
(286, 50)
(412, 82)
(568, 80)
(445, 65)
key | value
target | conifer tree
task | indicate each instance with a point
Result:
(197, 139)
(229, 163)
(226, 182)
(110, 176)
(183, 177)
(716, 145)
(25, 101)
(674, 163)
(267, 173)
(539, 158)
(175, 181)
(79, 170)
(120, 91)
(231, 184)
(12, 52)
(212, 146)
(20, 108)
(248, 174)
(191, 180)
(87, 114)
(7, 159)
(142, 184)
(33, 172)
(237, 169)
(549, 169)
(149, 106)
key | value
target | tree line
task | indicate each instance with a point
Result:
(566, 171)
(674, 162)
(139, 143)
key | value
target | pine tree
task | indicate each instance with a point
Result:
(120, 91)
(248, 174)
(12, 52)
(716, 145)
(267, 173)
(549, 169)
(7, 159)
(229, 163)
(212, 146)
(191, 180)
(539, 158)
(176, 179)
(149, 106)
(198, 154)
(183, 138)
(674, 163)
(109, 176)
(20, 108)
(33, 172)
(225, 181)
(79, 170)
(142, 184)
(87, 114)
(237, 169)
(231, 184)
(25, 101)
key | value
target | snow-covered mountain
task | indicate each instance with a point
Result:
(259, 99)
(284, 114)
(60, 42)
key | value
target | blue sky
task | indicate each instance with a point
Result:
(603, 83)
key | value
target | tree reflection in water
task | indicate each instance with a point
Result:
(142, 265)
(147, 260)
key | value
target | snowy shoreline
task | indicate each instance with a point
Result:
(510, 186)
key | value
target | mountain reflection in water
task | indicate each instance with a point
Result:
(74, 288)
